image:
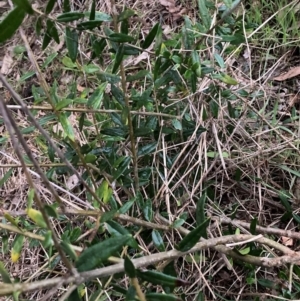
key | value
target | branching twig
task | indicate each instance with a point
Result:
(291, 257)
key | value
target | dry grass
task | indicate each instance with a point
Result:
(243, 163)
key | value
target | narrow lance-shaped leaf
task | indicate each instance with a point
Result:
(253, 226)
(193, 237)
(17, 248)
(47, 38)
(147, 210)
(72, 43)
(126, 14)
(119, 58)
(4, 274)
(96, 254)
(158, 241)
(66, 6)
(160, 278)
(88, 25)
(150, 37)
(65, 123)
(50, 6)
(6, 177)
(129, 268)
(200, 215)
(25, 5)
(11, 23)
(37, 217)
(74, 296)
(196, 67)
(121, 38)
(70, 16)
(93, 10)
(204, 13)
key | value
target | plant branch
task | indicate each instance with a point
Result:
(291, 257)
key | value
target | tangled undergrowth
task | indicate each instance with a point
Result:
(149, 151)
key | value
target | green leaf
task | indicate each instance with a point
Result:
(98, 46)
(51, 32)
(138, 75)
(50, 6)
(11, 23)
(177, 124)
(51, 210)
(66, 125)
(204, 14)
(6, 177)
(98, 253)
(70, 16)
(126, 14)
(214, 107)
(93, 11)
(126, 206)
(284, 200)
(63, 104)
(115, 132)
(25, 5)
(160, 278)
(66, 6)
(129, 267)
(193, 237)
(121, 168)
(99, 16)
(17, 248)
(108, 77)
(200, 297)
(95, 100)
(121, 38)
(90, 158)
(104, 192)
(296, 218)
(4, 274)
(116, 230)
(147, 210)
(109, 215)
(130, 50)
(200, 213)
(91, 68)
(47, 242)
(151, 35)
(253, 226)
(225, 78)
(158, 241)
(196, 63)
(147, 149)
(68, 249)
(130, 294)
(11, 219)
(37, 217)
(219, 60)
(38, 26)
(74, 296)
(118, 58)
(87, 25)
(244, 251)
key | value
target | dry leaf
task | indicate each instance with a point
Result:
(176, 11)
(6, 64)
(287, 241)
(72, 182)
(80, 88)
(291, 73)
